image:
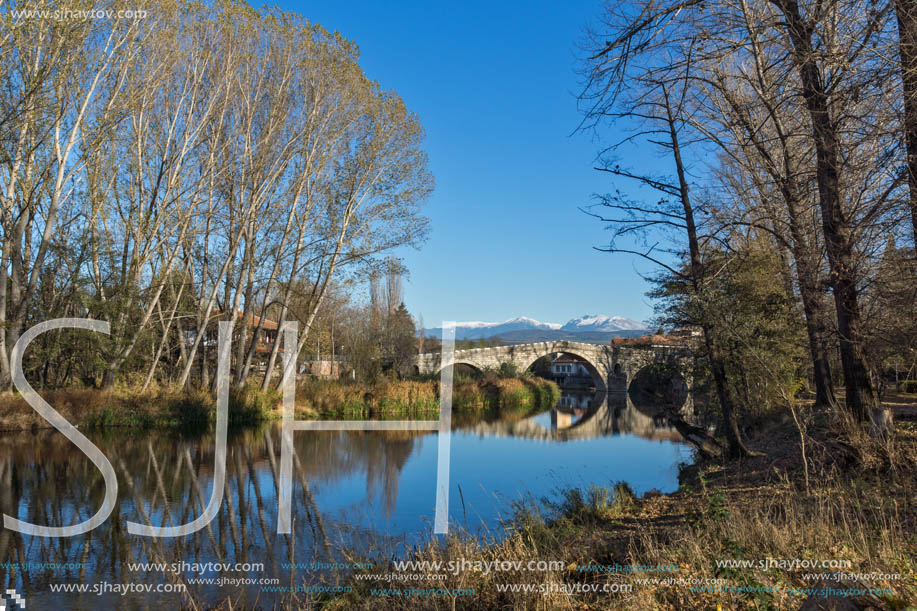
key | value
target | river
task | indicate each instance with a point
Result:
(368, 492)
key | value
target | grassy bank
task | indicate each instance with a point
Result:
(383, 398)
(857, 505)
(505, 397)
(124, 407)
(491, 396)
(164, 408)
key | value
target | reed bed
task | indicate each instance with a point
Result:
(122, 407)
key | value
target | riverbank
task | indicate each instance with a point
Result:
(165, 408)
(125, 407)
(737, 534)
(489, 396)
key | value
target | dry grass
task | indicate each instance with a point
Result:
(502, 396)
(777, 521)
(505, 396)
(383, 397)
(860, 506)
(122, 406)
(515, 547)
(76, 405)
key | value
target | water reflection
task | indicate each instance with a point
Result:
(373, 491)
(570, 409)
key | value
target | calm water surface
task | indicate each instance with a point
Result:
(369, 491)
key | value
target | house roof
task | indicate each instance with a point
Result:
(254, 320)
(267, 324)
(649, 340)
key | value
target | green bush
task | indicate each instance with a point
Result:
(248, 405)
(597, 503)
(191, 409)
(508, 370)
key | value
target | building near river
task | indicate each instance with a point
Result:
(207, 348)
(564, 366)
(570, 371)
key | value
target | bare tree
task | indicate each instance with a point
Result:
(815, 45)
(796, 97)
(63, 79)
(624, 82)
(906, 12)
(214, 151)
(748, 112)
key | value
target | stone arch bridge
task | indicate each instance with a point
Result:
(613, 367)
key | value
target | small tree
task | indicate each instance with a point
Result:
(398, 347)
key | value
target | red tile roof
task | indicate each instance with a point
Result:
(649, 340)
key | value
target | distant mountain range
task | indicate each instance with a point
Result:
(602, 323)
(591, 328)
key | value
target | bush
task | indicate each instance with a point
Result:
(597, 503)
(191, 409)
(389, 396)
(248, 405)
(508, 370)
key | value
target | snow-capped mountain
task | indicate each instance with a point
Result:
(600, 322)
(476, 329)
(589, 328)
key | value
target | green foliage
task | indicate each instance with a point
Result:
(756, 322)
(359, 400)
(505, 397)
(716, 506)
(250, 405)
(594, 504)
(398, 341)
(893, 319)
(508, 370)
(193, 409)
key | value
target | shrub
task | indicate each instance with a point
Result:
(248, 404)
(597, 503)
(508, 370)
(191, 409)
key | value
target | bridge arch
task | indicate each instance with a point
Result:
(466, 364)
(469, 363)
(598, 372)
(658, 387)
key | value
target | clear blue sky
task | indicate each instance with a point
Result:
(494, 85)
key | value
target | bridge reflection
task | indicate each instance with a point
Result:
(583, 416)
